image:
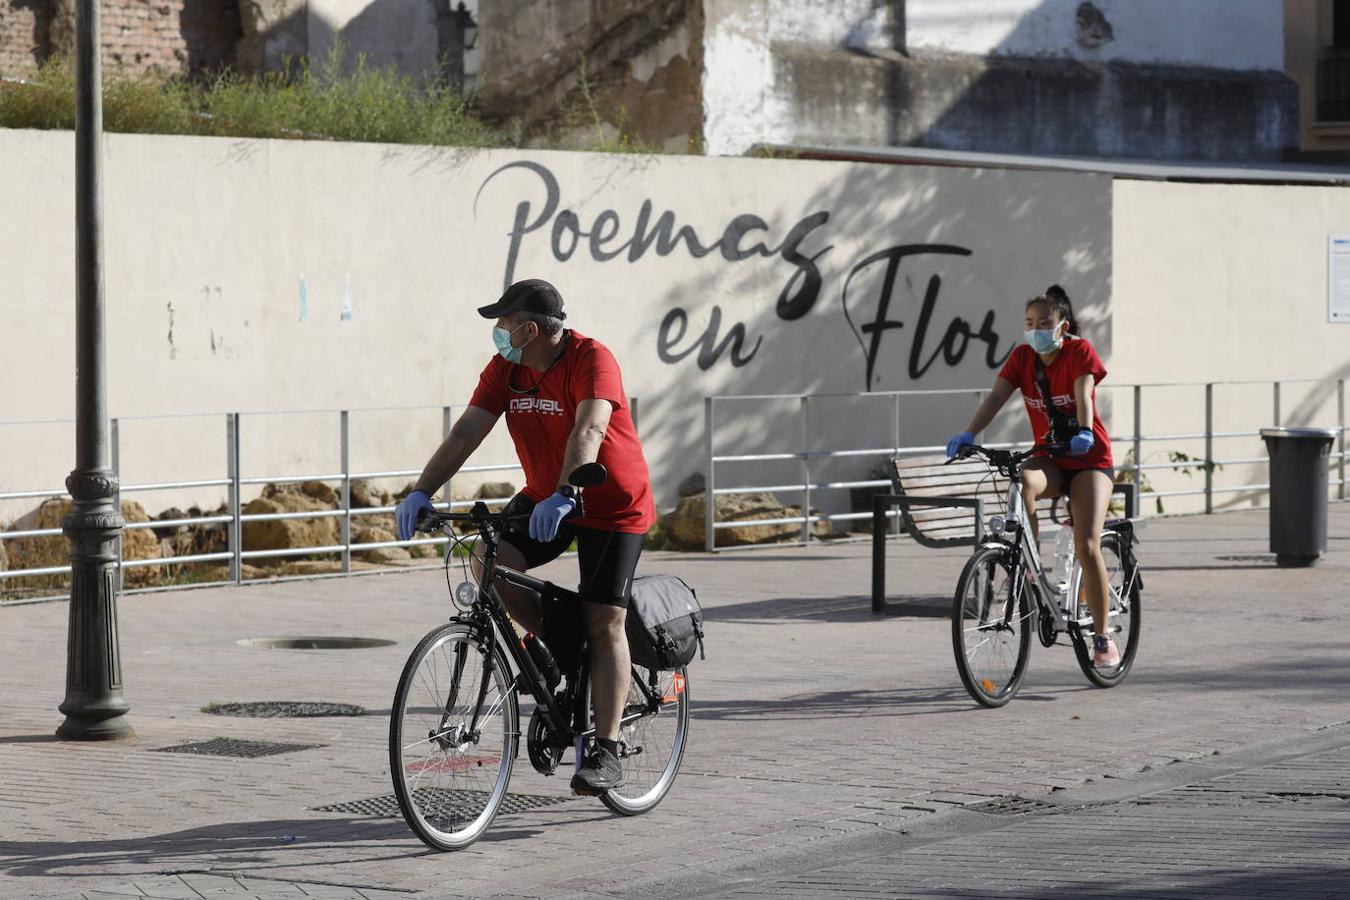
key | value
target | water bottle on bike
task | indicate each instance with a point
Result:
(1063, 557)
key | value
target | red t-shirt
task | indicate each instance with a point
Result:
(540, 422)
(1076, 359)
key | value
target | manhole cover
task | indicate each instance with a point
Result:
(1267, 558)
(441, 798)
(314, 643)
(284, 709)
(234, 747)
(1013, 805)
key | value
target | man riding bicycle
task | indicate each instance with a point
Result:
(565, 406)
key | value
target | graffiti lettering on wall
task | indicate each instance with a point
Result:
(955, 339)
(609, 236)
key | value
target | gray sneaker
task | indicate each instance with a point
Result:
(601, 772)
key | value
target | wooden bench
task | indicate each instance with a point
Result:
(945, 505)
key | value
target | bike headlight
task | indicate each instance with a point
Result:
(466, 595)
(997, 524)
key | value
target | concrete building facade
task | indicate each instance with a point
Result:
(1212, 80)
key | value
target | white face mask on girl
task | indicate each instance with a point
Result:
(1046, 340)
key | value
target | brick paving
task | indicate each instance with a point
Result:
(1270, 831)
(817, 728)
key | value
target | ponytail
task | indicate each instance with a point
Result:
(1058, 301)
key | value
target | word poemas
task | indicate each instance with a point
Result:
(610, 236)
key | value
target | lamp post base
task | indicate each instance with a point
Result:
(95, 707)
(89, 728)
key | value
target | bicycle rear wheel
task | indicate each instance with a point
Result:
(1123, 616)
(651, 746)
(992, 642)
(450, 771)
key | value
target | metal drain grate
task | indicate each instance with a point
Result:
(386, 807)
(1267, 558)
(235, 747)
(284, 709)
(1013, 805)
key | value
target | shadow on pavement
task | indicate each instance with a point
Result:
(232, 844)
(1308, 674)
(1325, 881)
(855, 608)
(859, 703)
(30, 739)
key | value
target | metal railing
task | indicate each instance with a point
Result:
(234, 556)
(1134, 440)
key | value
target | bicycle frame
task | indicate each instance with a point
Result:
(1050, 599)
(491, 622)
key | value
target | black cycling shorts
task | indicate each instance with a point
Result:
(607, 559)
(1071, 474)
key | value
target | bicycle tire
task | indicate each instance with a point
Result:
(1125, 608)
(991, 658)
(453, 807)
(649, 773)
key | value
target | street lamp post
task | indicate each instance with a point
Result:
(95, 708)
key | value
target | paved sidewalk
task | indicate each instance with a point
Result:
(821, 735)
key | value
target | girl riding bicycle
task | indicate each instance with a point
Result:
(1058, 367)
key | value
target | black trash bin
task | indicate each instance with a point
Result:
(1299, 467)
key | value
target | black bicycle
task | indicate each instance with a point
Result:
(998, 607)
(454, 731)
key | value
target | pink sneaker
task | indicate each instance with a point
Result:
(1104, 652)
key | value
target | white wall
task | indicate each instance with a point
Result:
(1227, 283)
(207, 240)
(741, 107)
(747, 99)
(1225, 34)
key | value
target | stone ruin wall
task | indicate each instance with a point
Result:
(169, 36)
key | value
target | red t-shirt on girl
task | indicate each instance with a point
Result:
(540, 422)
(1076, 358)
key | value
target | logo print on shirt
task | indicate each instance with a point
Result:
(1062, 400)
(540, 405)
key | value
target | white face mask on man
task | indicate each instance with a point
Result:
(502, 338)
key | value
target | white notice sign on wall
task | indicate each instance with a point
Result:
(1338, 278)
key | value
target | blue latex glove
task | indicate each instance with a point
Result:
(409, 509)
(1081, 442)
(548, 516)
(964, 439)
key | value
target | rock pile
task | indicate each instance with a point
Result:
(54, 550)
(683, 528)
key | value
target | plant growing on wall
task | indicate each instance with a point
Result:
(1183, 462)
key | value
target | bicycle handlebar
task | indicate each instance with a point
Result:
(1003, 459)
(586, 476)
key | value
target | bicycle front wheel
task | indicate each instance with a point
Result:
(651, 742)
(1123, 616)
(453, 733)
(991, 629)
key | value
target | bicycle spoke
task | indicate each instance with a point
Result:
(450, 782)
(990, 627)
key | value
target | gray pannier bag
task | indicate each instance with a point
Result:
(665, 623)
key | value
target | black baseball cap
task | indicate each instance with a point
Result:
(531, 295)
